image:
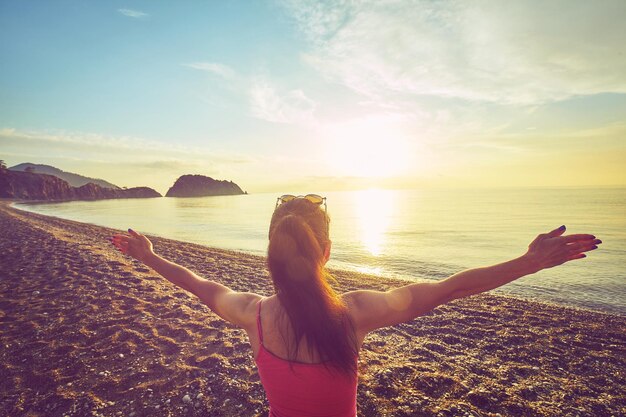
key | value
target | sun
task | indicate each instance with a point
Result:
(370, 148)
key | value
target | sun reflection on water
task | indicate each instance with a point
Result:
(371, 270)
(374, 210)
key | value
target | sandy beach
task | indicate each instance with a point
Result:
(85, 331)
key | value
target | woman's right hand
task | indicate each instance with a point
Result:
(135, 244)
(552, 249)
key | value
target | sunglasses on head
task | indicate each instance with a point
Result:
(313, 198)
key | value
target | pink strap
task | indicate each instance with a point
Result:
(258, 323)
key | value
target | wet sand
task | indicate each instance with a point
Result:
(85, 331)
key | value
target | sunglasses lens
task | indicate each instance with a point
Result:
(314, 198)
(287, 197)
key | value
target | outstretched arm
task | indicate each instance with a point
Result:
(235, 307)
(374, 309)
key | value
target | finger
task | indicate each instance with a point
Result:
(124, 248)
(118, 242)
(121, 238)
(577, 256)
(120, 245)
(584, 249)
(577, 250)
(557, 232)
(133, 233)
(579, 245)
(574, 238)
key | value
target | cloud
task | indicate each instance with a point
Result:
(136, 14)
(290, 107)
(609, 136)
(486, 51)
(266, 103)
(218, 69)
(83, 139)
(319, 21)
(140, 150)
(168, 164)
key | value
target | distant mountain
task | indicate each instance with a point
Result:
(201, 186)
(75, 180)
(33, 186)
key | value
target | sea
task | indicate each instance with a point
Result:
(417, 234)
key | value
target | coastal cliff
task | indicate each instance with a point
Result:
(202, 186)
(31, 186)
(75, 180)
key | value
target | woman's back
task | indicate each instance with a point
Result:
(303, 386)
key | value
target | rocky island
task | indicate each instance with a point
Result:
(202, 186)
(32, 186)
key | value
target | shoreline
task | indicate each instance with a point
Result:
(86, 331)
(610, 310)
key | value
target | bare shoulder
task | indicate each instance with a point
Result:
(363, 305)
(359, 299)
(248, 303)
(238, 308)
(370, 301)
(371, 310)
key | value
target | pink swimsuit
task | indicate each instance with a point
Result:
(296, 389)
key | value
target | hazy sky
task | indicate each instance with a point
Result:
(306, 96)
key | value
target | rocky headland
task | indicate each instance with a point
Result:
(33, 186)
(75, 180)
(202, 186)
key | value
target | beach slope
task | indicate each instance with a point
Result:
(85, 331)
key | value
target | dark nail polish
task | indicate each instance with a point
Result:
(562, 227)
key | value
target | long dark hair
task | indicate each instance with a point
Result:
(295, 256)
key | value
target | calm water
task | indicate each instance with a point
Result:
(415, 234)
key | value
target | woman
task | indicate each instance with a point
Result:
(306, 337)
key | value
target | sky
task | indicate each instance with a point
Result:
(290, 95)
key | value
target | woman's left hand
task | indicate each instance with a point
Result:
(554, 248)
